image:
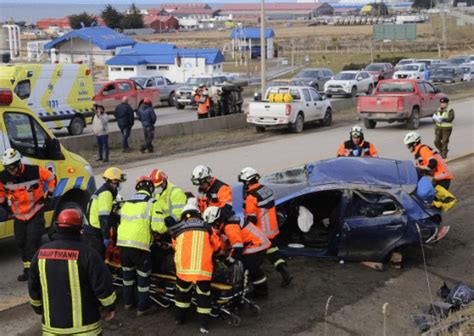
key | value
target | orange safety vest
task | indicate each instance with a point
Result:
(423, 155)
(25, 191)
(368, 149)
(204, 105)
(259, 208)
(252, 238)
(194, 244)
(219, 194)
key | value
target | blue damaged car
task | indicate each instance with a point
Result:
(361, 208)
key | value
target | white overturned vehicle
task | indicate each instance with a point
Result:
(290, 106)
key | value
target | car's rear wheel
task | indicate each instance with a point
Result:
(298, 126)
(178, 105)
(260, 129)
(414, 121)
(76, 127)
(353, 92)
(370, 124)
(327, 121)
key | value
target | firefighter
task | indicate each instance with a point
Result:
(443, 119)
(247, 243)
(24, 189)
(170, 198)
(356, 145)
(69, 282)
(97, 233)
(211, 191)
(204, 104)
(259, 208)
(138, 218)
(195, 243)
(426, 159)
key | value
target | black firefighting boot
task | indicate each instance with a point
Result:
(286, 277)
(180, 316)
(259, 290)
(204, 323)
(24, 276)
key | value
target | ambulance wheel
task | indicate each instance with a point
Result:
(76, 127)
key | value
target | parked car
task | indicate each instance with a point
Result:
(468, 71)
(184, 95)
(362, 208)
(458, 60)
(167, 87)
(429, 63)
(447, 74)
(349, 84)
(471, 59)
(404, 62)
(380, 71)
(257, 96)
(315, 77)
(412, 71)
(435, 66)
(401, 100)
(109, 94)
(290, 106)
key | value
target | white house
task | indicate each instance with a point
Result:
(91, 45)
(177, 64)
(249, 39)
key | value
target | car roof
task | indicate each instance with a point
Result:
(350, 71)
(414, 64)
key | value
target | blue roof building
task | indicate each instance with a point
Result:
(178, 64)
(247, 40)
(251, 33)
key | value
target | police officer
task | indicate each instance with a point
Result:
(69, 282)
(22, 190)
(356, 145)
(259, 208)
(443, 119)
(138, 218)
(97, 233)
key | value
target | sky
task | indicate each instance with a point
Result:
(138, 2)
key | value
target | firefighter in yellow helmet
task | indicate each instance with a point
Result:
(97, 233)
(138, 218)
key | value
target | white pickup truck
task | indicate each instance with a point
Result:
(299, 105)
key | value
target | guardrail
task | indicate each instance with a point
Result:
(230, 122)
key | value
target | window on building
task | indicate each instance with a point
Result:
(151, 67)
(128, 69)
(163, 67)
(115, 69)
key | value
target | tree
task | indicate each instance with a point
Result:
(112, 17)
(81, 20)
(133, 19)
(426, 4)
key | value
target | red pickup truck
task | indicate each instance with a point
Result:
(399, 100)
(109, 94)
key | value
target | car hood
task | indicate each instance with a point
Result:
(305, 79)
(441, 77)
(405, 72)
(340, 82)
(185, 88)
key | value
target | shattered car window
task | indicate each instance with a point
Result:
(295, 175)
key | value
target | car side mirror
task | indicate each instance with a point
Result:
(359, 78)
(322, 97)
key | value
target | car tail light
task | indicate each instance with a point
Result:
(6, 97)
(288, 109)
(400, 103)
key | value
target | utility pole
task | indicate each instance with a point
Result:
(443, 28)
(263, 48)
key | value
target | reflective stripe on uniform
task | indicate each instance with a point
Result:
(260, 281)
(128, 282)
(203, 310)
(130, 243)
(44, 291)
(144, 274)
(128, 269)
(104, 213)
(200, 292)
(184, 290)
(26, 264)
(183, 305)
(109, 300)
(36, 303)
(132, 218)
(143, 289)
(265, 201)
(75, 286)
(90, 329)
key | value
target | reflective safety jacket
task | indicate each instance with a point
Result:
(252, 238)
(365, 149)
(100, 208)
(67, 281)
(170, 202)
(25, 192)
(259, 208)
(194, 243)
(428, 159)
(219, 194)
(447, 118)
(443, 199)
(204, 104)
(138, 217)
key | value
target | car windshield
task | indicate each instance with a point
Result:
(405, 62)
(466, 69)
(307, 74)
(396, 87)
(374, 67)
(410, 67)
(444, 72)
(196, 81)
(345, 76)
(295, 175)
(139, 80)
(456, 60)
(97, 87)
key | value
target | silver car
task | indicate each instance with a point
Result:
(315, 77)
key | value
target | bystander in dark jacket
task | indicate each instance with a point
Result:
(147, 116)
(125, 120)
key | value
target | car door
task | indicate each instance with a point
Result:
(432, 100)
(308, 108)
(318, 104)
(164, 89)
(110, 96)
(371, 226)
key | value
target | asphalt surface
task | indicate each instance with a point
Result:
(298, 309)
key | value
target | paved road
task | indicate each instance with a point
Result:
(287, 150)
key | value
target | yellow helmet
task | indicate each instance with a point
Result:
(114, 173)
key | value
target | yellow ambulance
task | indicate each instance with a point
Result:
(22, 130)
(61, 95)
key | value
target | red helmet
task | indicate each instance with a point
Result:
(144, 182)
(147, 100)
(158, 177)
(69, 218)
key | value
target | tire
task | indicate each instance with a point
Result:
(76, 127)
(414, 121)
(260, 129)
(298, 126)
(179, 106)
(327, 121)
(370, 89)
(370, 124)
(171, 99)
(353, 92)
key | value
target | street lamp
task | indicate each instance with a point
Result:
(263, 48)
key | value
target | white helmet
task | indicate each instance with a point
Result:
(411, 137)
(357, 131)
(211, 214)
(188, 209)
(247, 174)
(200, 173)
(11, 156)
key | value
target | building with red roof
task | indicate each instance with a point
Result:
(161, 23)
(275, 11)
